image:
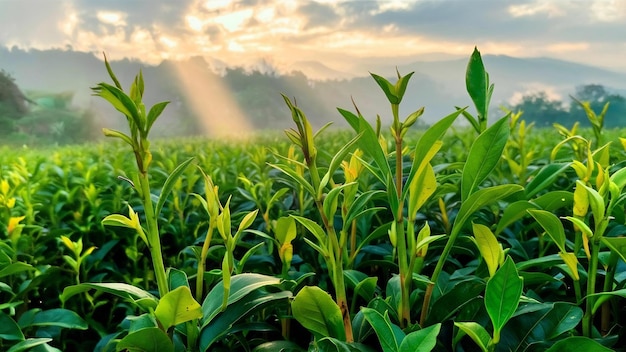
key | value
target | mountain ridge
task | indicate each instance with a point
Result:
(437, 84)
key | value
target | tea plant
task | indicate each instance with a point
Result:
(329, 245)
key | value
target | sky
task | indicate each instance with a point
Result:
(336, 33)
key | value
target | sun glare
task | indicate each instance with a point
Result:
(234, 20)
(114, 18)
(213, 5)
(168, 42)
(194, 23)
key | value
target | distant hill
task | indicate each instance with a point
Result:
(211, 91)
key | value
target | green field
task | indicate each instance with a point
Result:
(494, 236)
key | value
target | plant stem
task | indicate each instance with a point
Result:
(405, 276)
(591, 286)
(437, 272)
(608, 287)
(577, 291)
(154, 241)
(353, 229)
(202, 262)
(336, 262)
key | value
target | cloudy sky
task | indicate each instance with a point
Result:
(335, 32)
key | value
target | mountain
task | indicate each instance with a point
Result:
(212, 92)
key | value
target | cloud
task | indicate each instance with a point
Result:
(318, 15)
(609, 10)
(552, 93)
(37, 28)
(243, 32)
(535, 8)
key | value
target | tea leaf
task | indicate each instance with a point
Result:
(120, 101)
(110, 71)
(295, 176)
(336, 161)
(483, 156)
(476, 332)
(15, 268)
(317, 312)
(118, 220)
(514, 212)
(388, 88)
(619, 177)
(154, 113)
(9, 330)
(285, 229)
(617, 245)
(423, 340)
(488, 246)
(366, 288)
(581, 202)
(401, 84)
(578, 343)
(595, 201)
(247, 221)
(117, 134)
(358, 207)
(572, 264)
(332, 200)
(125, 291)
(477, 84)
(502, 295)
(389, 335)
(313, 227)
(581, 225)
(600, 298)
(457, 299)
(176, 307)
(240, 286)
(472, 120)
(552, 225)
(422, 187)
(146, 339)
(481, 198)
(29, 343)
(350, 117)
(554, 200)
(545, 177)
(427, 146)
(540, 323)
(427, 240)
(168, 186)
(59, 317)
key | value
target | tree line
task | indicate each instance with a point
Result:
(543, 111)
(41, 117)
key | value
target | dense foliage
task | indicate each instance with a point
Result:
(496, 237)
(38, 118)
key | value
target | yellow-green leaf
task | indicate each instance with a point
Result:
(581, 202)
(176, 307)
(489, 248)
(572, 263)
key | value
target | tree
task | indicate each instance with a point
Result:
(539, 108)
(13, 103)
